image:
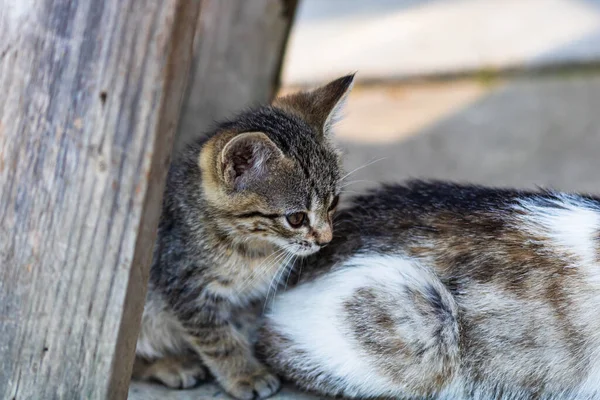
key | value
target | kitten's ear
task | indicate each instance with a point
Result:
(321, 107)
(246, 158)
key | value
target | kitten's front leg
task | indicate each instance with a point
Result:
(228, 354)
(176, 372)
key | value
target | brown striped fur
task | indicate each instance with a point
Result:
(226, 240)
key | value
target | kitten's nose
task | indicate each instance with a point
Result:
(323, 235)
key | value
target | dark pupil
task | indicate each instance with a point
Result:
(296, 219)
(334, 203)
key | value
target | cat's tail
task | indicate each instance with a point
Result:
(376, 326)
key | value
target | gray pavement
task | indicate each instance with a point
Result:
(524, 132)
(405, 38)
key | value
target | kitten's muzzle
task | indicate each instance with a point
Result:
(322, 244)
(306, 248)
(322, 236)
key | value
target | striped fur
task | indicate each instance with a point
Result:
(239, 206)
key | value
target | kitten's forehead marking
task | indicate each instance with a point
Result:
(313, 212)
(316, 203)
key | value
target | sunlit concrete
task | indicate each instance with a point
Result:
(402, 38)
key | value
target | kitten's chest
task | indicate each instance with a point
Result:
(245, 279)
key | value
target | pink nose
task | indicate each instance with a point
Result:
(323, 235)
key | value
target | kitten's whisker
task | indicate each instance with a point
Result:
(356, 181)
(276, 279)
(339, 222)
(267, 263)
(264, 267)
(361, 167)
(290, 272)
(273, 280)
(289, 268)
(283, 255)
(280, 259)
(302, 261)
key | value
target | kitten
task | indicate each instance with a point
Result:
(438, 290)
(238, 208)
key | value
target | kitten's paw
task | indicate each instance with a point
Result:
(259, 385)
(176, 373)
(182, 377)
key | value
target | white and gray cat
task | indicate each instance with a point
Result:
(446, 291)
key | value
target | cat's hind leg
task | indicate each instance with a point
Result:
(377, 326)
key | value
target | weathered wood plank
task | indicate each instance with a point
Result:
(238, 51)
(91, 92)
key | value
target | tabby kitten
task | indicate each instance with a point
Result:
(445, 291)
(238, 207)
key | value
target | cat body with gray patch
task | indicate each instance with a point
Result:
(239, 207)
(446, 291)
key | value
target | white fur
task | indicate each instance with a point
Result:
(592, 382)
(311, 316)
(572, 224)
(574, 228)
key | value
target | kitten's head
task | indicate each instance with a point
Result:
(271, 175)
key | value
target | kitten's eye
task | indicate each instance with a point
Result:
(334, 202)
(296, 219)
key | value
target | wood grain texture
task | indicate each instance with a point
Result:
(91, 92)
(238, 51)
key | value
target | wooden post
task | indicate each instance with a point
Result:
(90, 97)
(238, 50)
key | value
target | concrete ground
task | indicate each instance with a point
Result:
(520, 132)
(385, 39)
(524, 132)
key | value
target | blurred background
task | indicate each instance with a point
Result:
(495, 92)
